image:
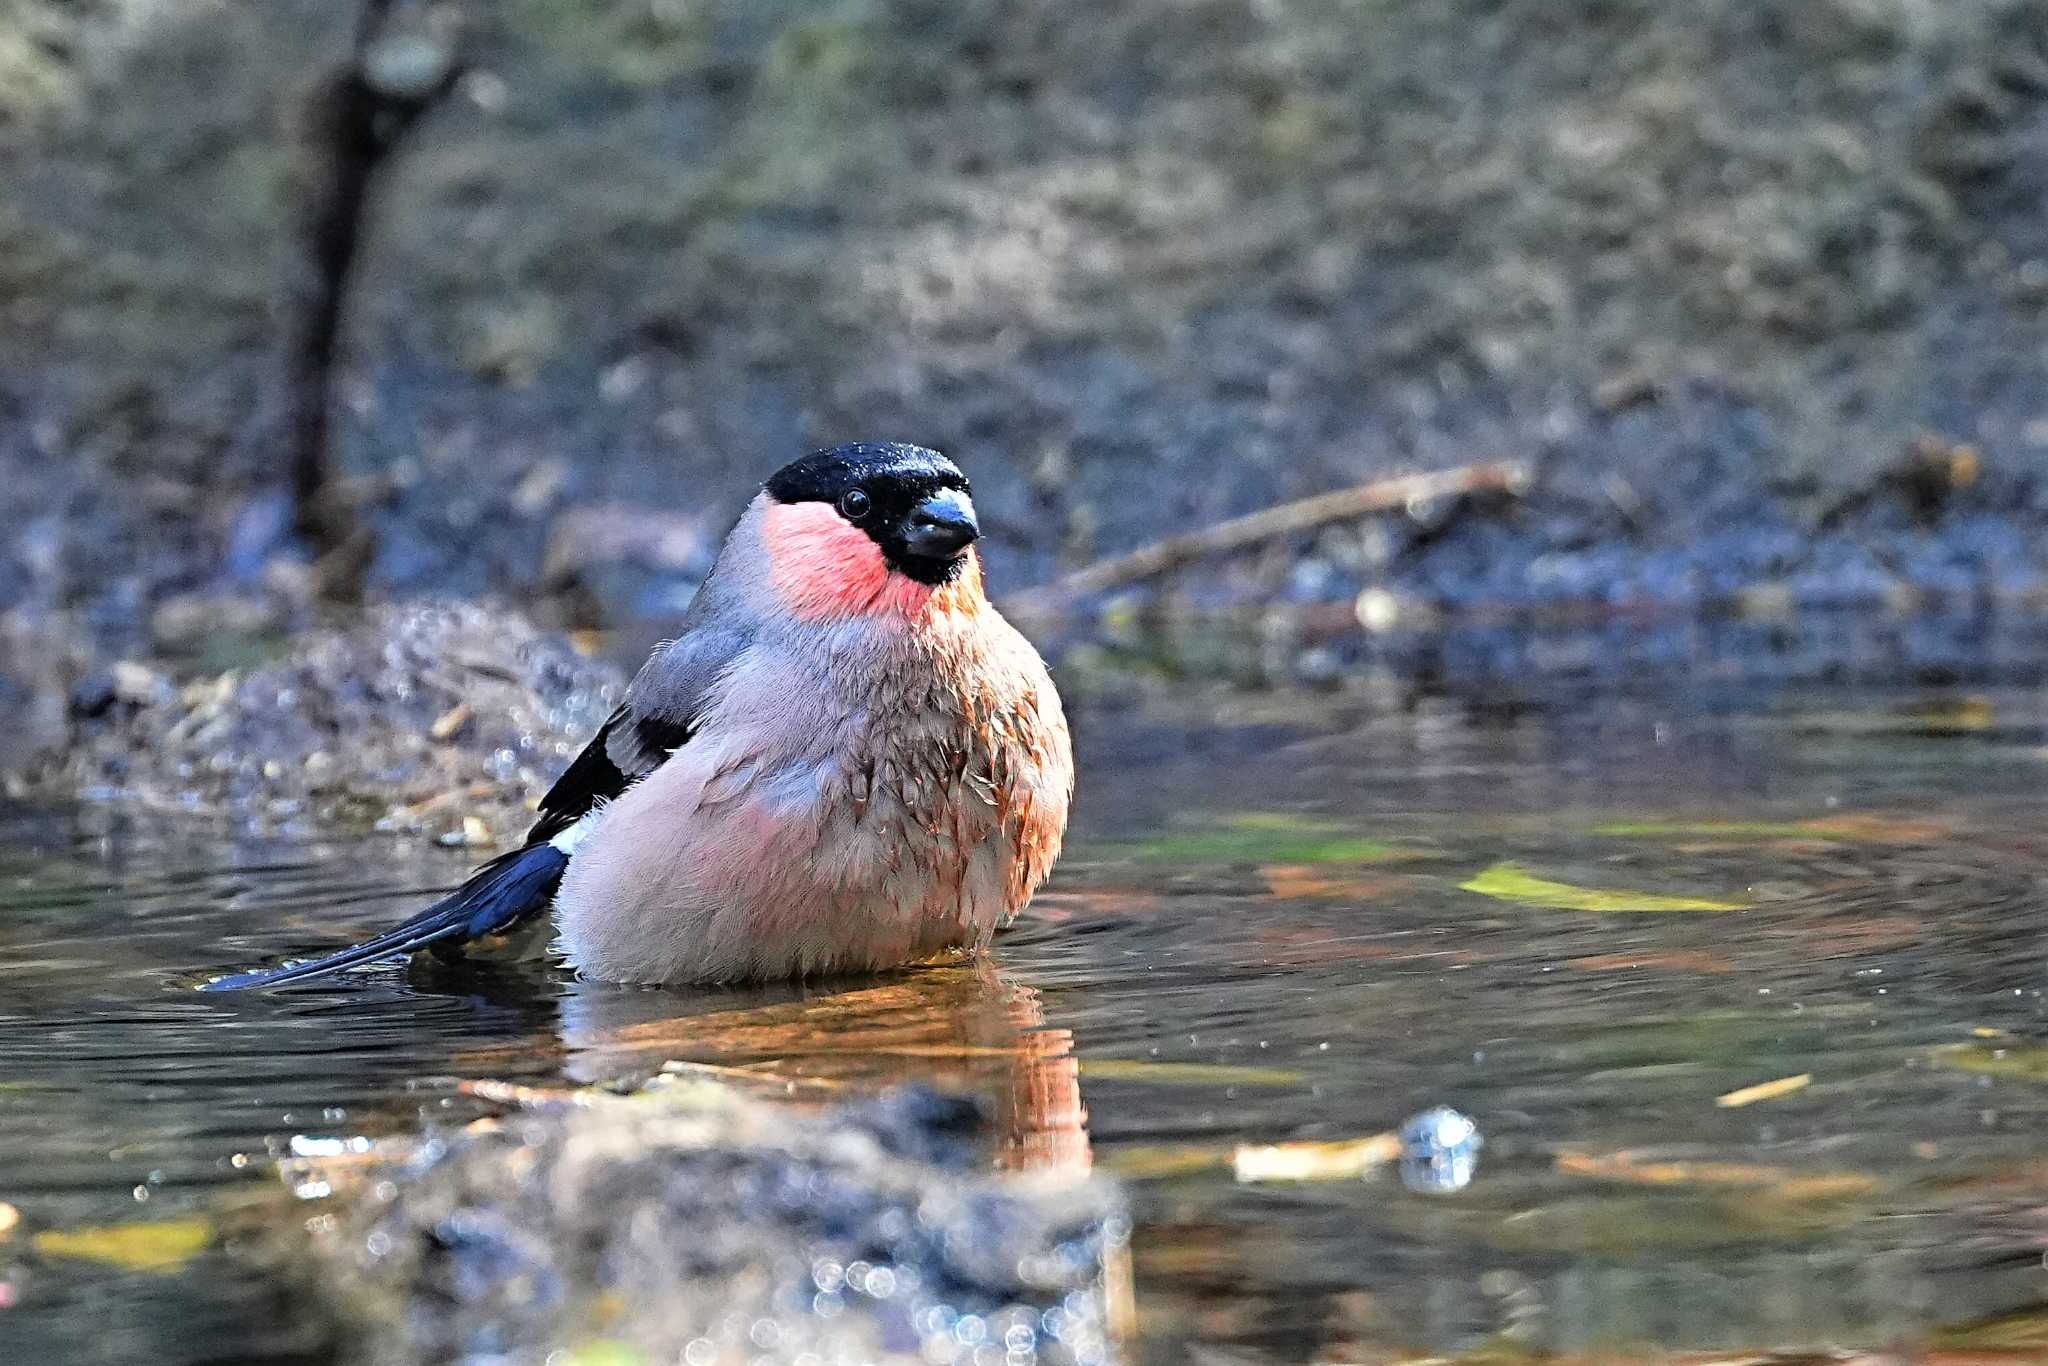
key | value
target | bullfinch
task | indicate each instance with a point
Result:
(846, 761)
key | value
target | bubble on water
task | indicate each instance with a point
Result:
(1439, 1150)
(306, 1145)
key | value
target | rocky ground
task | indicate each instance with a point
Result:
(443, 720)
(690, 1224)
(1759, 286)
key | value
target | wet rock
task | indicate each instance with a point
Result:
(694, 1225)
(441, 720)
(188, 620)
(124, 684)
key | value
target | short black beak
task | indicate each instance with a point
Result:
(941, 527)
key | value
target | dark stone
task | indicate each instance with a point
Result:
(694, 1216)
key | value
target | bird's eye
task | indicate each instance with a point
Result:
(853, 505)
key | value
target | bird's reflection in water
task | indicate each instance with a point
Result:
(965, 1027)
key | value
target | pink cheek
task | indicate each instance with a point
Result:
(821, 566)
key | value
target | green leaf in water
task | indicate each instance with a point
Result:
(1159, 1162)
(1186, 1073)
(1270, 837)
(1631, 1225)
(1511, 882)
(2021, 1062)
(1851, 826)
(604, 1353)
(163, 1246)
(1767, 830)
(1934, 717)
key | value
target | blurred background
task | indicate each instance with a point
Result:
(309, 300)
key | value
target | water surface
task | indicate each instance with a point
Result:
(1283, 918)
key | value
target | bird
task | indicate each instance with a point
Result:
(845, 762)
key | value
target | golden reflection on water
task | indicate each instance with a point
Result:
(966, 1027)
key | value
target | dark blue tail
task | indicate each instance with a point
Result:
(497, 898)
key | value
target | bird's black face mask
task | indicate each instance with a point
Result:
(912, 502)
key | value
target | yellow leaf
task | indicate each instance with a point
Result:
(2025, 1331)
(1803, 1187)
(1962, 714)
(1826, 1187)
(1186, 1073)
(1153, 1162)
(1635, 1171)
(1764, 1090)
(162, 1246)
(1511, 882)
(448, 722)
(1344, 1160)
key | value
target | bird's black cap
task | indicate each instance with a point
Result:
(911, 500)
(822, 476)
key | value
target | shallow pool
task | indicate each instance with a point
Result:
(1741, 989)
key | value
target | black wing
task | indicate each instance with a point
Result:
(629, 746)
(657, 718)
(654, 721)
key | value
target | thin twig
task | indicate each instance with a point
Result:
(357, 117)
(1287, 519)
